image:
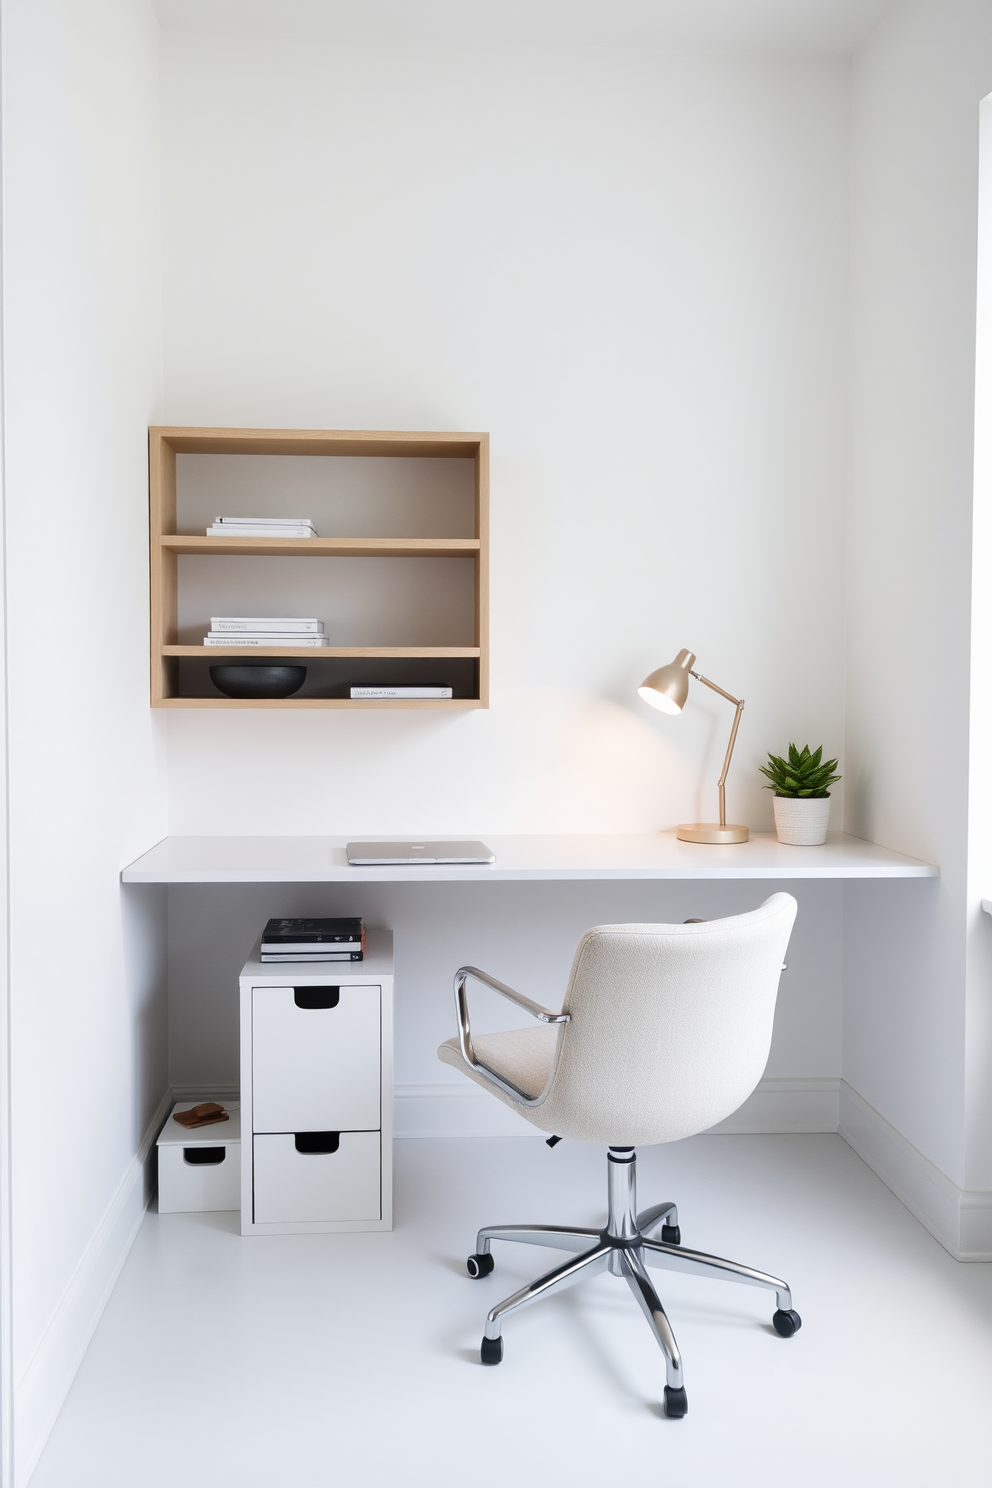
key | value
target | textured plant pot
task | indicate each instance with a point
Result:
(801, 823)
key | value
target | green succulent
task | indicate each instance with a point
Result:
(801, 774)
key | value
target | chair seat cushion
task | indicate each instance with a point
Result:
(523, 1056)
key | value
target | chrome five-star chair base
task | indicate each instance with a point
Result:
(626, 1247)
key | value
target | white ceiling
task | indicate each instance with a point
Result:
(777, 25)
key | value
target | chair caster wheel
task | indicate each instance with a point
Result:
(671, 1235)
(492, 1351)
(786, 1323)
(479, 1265)
(676, 1403)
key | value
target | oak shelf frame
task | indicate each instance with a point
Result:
(167, 545)
(432, 704)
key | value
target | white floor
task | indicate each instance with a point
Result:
(353, 1360)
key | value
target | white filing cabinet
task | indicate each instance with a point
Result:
(317, 1093)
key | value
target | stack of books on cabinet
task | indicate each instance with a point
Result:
(264, 631)
(313, 940)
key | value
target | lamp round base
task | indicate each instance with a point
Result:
(708, 832)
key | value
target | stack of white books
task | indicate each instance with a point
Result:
(256, 630)
(262, 527)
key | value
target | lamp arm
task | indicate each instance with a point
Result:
(739, 705)
(737, 702)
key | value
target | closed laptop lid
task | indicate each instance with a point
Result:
(382, 854)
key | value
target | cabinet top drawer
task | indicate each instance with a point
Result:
(317, 1067)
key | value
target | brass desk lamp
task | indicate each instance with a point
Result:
(667, 689)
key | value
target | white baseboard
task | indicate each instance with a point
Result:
(447, 1109)
(960, 1219)
(799, 1105)
(231, 1092)
(41, 1390)
(450, 1110)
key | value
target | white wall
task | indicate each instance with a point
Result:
(630, 266)
(525, 934)
(917, 89)
(83, 379)
(978, 1007)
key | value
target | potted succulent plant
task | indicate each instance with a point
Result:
(802, 796)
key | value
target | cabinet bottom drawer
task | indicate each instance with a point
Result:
(293, 1186)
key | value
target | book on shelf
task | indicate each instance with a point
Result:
(262, 526)
(229, 529)
(263, 521)
(401, 692)
(313, 940)
(283, 958)
(276, 638)
(335, 932)
(265, 624)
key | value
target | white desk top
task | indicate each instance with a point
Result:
(655, 855)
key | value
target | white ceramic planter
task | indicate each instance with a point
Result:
(801, 823)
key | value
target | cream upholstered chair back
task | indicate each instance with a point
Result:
(670, 1026)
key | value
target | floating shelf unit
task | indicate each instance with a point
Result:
(168, 545)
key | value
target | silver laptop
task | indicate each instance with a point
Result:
(381, 854)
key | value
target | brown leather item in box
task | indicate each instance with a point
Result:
(205, 1114)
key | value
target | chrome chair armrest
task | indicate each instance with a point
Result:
(542, 1014)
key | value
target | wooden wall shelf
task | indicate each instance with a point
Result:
(173, 685)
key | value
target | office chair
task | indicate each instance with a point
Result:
(664, 1031)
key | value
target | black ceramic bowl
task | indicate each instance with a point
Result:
(257, 680)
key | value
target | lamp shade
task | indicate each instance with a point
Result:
(668, 687)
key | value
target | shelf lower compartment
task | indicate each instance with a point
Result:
(330, 677)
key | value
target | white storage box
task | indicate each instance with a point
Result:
(200, 1169)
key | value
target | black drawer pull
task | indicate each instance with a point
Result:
(321, 1142)
(205, 1156)
(316, 997)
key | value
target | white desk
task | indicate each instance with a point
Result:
(645, 855)
(441, 919)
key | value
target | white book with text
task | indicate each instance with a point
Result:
(266, 624)
(256, 531)
(263, 522)
(401, 692)
(270, 642)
